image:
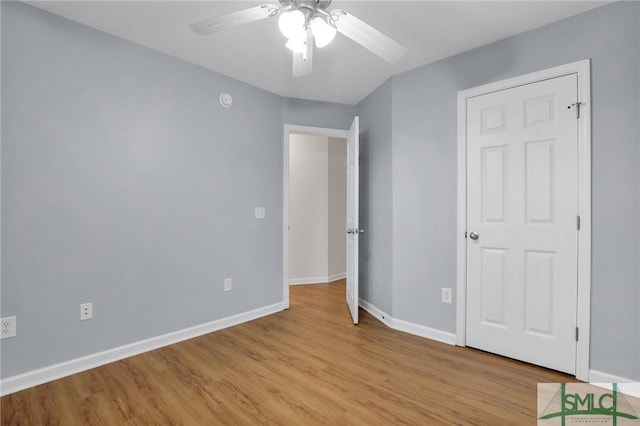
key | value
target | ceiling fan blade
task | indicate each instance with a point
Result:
(241, 17)
(367, 36)
(303, 61)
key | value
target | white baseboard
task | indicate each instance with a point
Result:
(317, 280)
(67, 368)
(625, 385)
(424, 331)
(408, 327)
(596, 376)
(381, 315)
(336, 277)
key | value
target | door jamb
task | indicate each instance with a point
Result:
(583, 320)
(290, 129)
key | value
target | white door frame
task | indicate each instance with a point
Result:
(290, 129)
(582, 69)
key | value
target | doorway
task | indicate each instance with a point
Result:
(524, 218)
(312, 211)
(317, 206)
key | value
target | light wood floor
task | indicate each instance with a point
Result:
(304, 366)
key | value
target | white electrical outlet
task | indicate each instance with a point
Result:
(7, 327)
(228, 285)
(86, 311)
(446, 295)
(260, 213)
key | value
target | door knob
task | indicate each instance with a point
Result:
(360, 231)
(349, 231)
(474, 235)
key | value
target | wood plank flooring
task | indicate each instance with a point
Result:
(308, 365)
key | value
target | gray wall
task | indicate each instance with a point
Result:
(423, 160)
(424, 195)
(317, 114)
(126, 184)
(376, 208)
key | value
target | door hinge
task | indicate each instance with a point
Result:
(577, 106)
(577, 333)
(465, 234)
(578, 222)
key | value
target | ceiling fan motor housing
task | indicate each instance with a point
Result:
(313, 5)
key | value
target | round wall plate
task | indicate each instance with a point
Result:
(226, 100)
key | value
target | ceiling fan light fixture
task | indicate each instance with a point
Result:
(291, 24)
(323, 33)
(302, 22)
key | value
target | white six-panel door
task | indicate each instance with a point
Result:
(522, 204)
(353, 231)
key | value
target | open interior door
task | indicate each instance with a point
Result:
(353, 232)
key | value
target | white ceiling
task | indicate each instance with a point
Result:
(343, 72)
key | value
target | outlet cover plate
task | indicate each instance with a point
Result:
(86, 311)
(7, 327)
(260, 213)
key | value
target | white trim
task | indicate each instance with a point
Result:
(583, 319)
(317, 280)
(605, 380)
(408, 327)
(285, 217)
(596, 376)
(423, 331)
(461, 229)
(314, 131)
(57, 371)
(582, 69)
(299, 130)
(374, 311)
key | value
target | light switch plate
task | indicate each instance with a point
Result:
(446, 295)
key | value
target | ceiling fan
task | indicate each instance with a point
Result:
(304, 22)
